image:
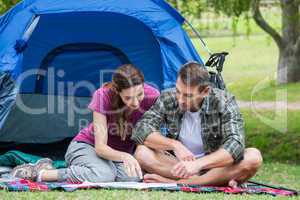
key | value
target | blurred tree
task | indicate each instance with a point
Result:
(6, 4)
(288, 41)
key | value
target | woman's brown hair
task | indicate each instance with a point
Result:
(124, 77)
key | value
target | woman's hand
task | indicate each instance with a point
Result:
(131, 165)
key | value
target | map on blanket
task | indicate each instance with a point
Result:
(123, 185)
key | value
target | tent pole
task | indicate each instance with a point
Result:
(31, 28)
(199, 36)
(274, 187)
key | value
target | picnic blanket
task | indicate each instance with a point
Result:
(26, 185)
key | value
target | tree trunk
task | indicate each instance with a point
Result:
(289, 58)
(288, 69)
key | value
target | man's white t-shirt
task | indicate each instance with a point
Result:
(190, 133)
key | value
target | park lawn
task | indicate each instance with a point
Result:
(250, 68)
(276, 136)
(272, 173)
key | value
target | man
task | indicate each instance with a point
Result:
(204, 143)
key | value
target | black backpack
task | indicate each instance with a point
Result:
(216, 61)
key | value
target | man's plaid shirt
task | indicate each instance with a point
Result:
(221, 122)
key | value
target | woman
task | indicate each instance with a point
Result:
(103, 152)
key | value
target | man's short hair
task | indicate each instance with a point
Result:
(194, 74)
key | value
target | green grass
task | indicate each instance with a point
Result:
(277, 137)
(247, 56)
(250, 68)
(255, 89)
(271, 173)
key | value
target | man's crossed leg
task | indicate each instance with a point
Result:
(159, 165)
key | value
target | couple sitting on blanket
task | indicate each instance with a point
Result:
(204, 143)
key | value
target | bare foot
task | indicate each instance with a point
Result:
(155, 178)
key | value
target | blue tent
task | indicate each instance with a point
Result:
(46, 45)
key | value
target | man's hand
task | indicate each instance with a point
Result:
(182, 153)
(185, 169)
